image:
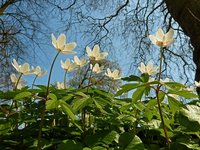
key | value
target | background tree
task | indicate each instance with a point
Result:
(121, 27)
(128, 23)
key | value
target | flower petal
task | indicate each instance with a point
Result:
(160, 34)
(96, 50)
(61, 41)
(68, 48)
(153, 39)
(54, 41)
(169, 34)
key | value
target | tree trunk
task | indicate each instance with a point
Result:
(187, 14)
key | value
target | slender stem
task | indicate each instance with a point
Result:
(43, 111)
(34, 80)
(79, 75)
(158, 99)
(40, 129)
(15, 88)
(89, 78)
(161, 60)
(49, 79)
(18, 81)
(161, 117)
(65, 80)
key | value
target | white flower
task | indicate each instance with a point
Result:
(38, 72)
(80, 62)
(114, 75)
(67, 65)
(161, 39)
(24, 69)
(15, 79)
(96, 68)
(197, 83)
(95, 54)
(149, 69)
(61, 45)
(60, 85)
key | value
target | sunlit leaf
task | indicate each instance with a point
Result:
(67, 109)
(129, 141)
(52, 104)
(23, 95)
(190, 117)
(137, 95)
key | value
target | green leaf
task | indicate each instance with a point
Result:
(174, 104)
(126, 88)
(99, 148)
(174, 85)
(161, 95)
(100, 107)
(52, 96)
(132, 78)
(52, 104)
(67, 109)
(145, 77)
(190, 117)
(129, 141)
(140, 106)
(137, 95)
(81, 103)
(70, 145)
(110, 137)
(183, 93)
(22, 95)
(81, 94)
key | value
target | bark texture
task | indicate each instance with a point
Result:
(187, 14)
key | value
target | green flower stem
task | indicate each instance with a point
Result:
(15, 88)
(43, 111)
(34, 80)
(158, 99)
(161, 60)
(18, 81)
(65, 80)
(79, 75)
(40, 129)
(83, 122)
(89, 79)
(49, 79)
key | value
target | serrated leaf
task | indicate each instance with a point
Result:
(145, 77)
(82, 94)
(52, 96)
(81, 103)
(183, 93)
(67, 109)
(137, 95)
(174, 104)
(132, 78)
(70, 144)
(109, 137)
(190, 117)
(129, 141)
(140, 106)
(174, 85)
(126, 88)
(100, 107)
(22, 95)
(52, 104)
